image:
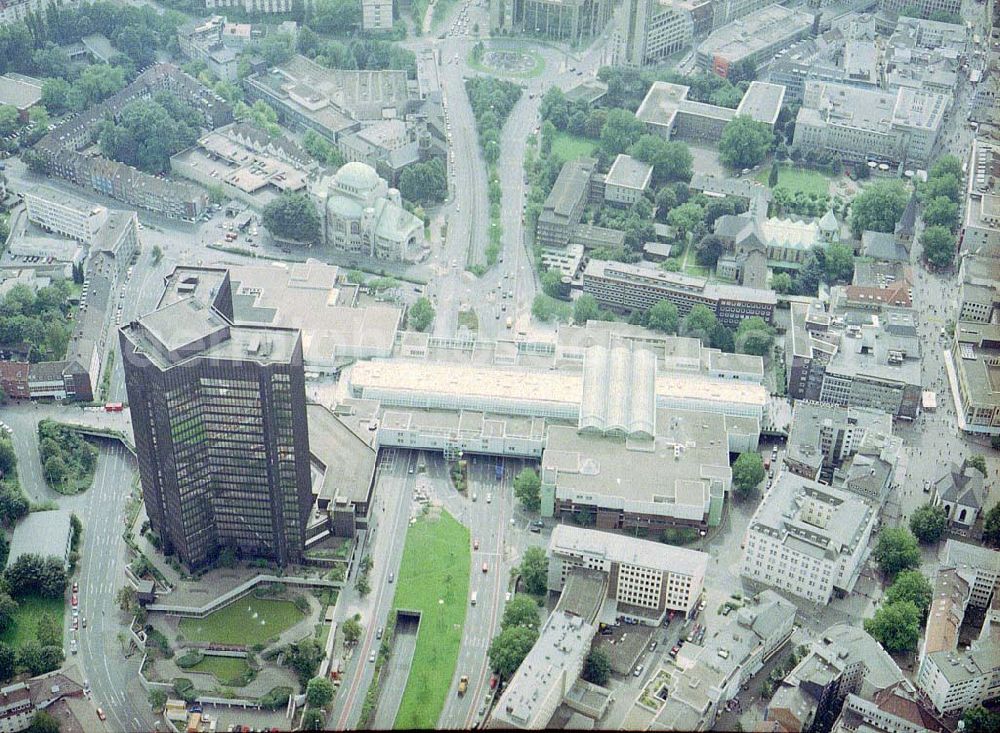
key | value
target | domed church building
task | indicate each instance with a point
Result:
(362, 214)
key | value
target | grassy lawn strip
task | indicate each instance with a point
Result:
(798, 179)
(247, 621)
(571, 147)
(30, 609)
(689, 265)
(227, 670)
(469, 320)
(435, 568)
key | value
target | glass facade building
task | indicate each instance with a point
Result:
(219, 417)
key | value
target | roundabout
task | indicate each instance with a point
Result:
(503, 60)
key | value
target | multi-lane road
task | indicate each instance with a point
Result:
(393, 500)
(487, 520)
(113, 678)
(101, 509)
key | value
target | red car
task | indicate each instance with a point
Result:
(76, 600)
(493, 682)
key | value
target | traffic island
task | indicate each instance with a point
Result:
(434, 580)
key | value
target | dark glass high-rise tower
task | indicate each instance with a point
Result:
(219, 418)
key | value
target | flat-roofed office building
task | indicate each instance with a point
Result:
(219, 417)
(647, 579)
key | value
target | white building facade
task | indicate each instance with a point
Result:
(55, 213)
(647, 574)
(376, 15)
(808, 539)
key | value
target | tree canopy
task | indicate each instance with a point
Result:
(509, 648)
(8, 610)
(754, 336)
(745, 142)
(685, 217)
(32, 574)
(748, 471)
(781, 283)
(148, 131)
(708, 249)
(424, 183)
(896, 551)
(939, 246)
(527, 489)
(292, 216)
(492, 100)
(620, 132)
(896, 626)
(980, 720)
(663, 317)
(991, 527)
(671, 160)
(839, 263)
(913, 586)
(319, 692)
(928, 523)
(878, 207)
(699, 323)
(521, 610)
(597, 667)
(420, 315)
(534, 570)
(352, 630)
(941, 211)
(585, 309)
(38, 319)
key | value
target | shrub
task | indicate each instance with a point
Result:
(184, 689)
(275, 698)
(190, 659)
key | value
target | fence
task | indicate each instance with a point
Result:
(239, 592)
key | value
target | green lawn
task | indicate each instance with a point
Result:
(469, 320)
(29, 610)
(571, 147)
(690, 266)
(225, 669)
(247, 621)
(798, 179)
(434, 579)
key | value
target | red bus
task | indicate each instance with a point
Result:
(113, 407)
